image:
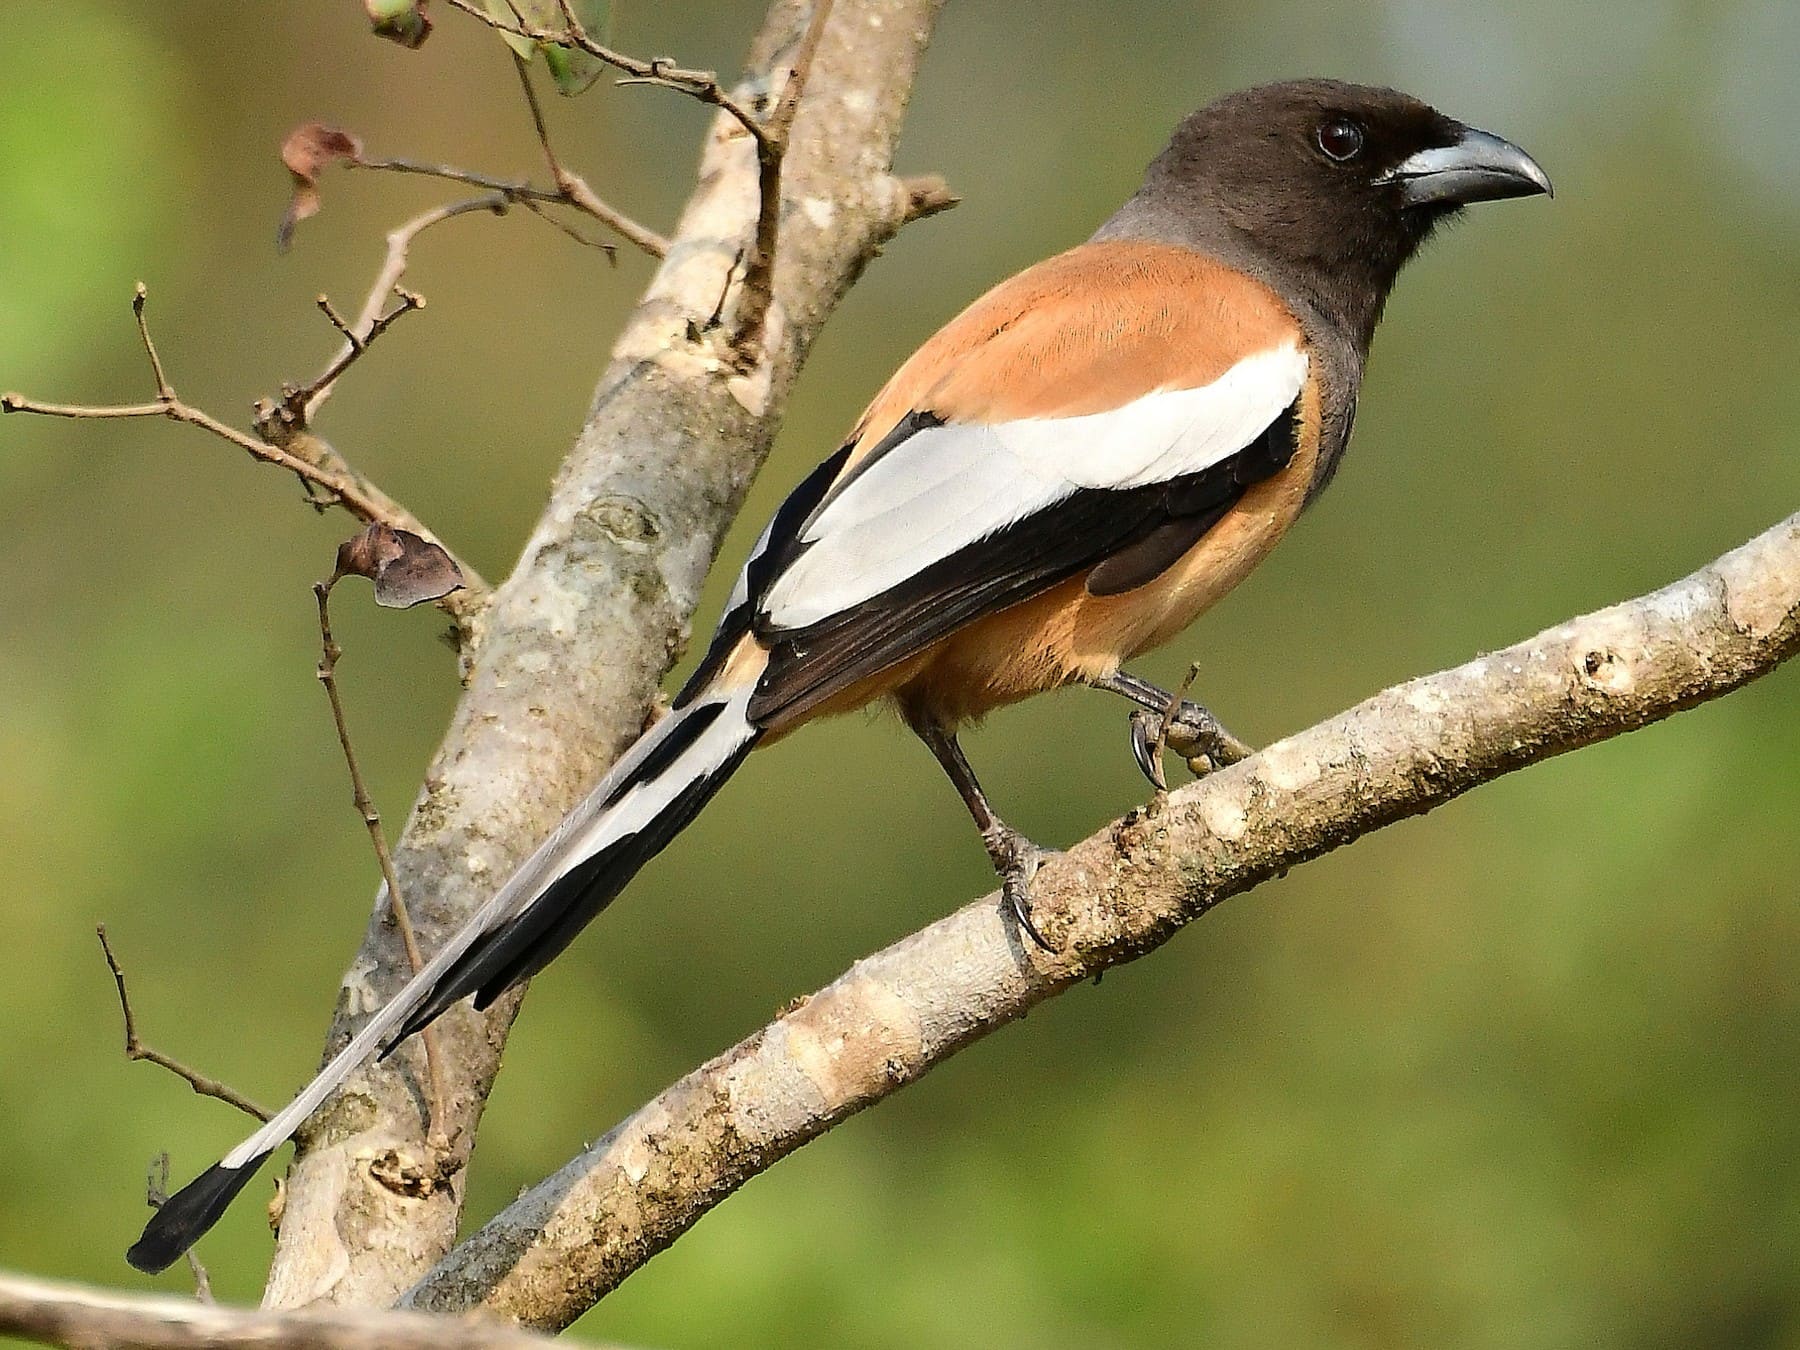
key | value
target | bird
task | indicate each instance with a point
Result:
(1064, 476)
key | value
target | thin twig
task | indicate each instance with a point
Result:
(516, 189)
(700, 84)
(519, 192)
(135, 1049)
(335, 319)
(340, 487)
(156, 1195)
(1161, 742)
(140, 296)
(329, 652)
(537, 116)
(387, 281)
(572, 188)
(538, 209)
(296, 401)
(771, 149)
(770, 136)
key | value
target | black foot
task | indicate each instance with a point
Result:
(1194, 734)
(1017, 860)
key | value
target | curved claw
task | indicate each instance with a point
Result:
(1193, 733)
(1018, 899)
(1017, 860)
(1145, 750)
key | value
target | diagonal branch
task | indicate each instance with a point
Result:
(135, 1048)
(280, 443)
(1121, 893)
(81, 1317)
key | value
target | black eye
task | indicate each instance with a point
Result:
(1341, 139)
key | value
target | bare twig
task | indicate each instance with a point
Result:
(84, 1318)
(329, 652)
(135, 1049)
(514, 189)
(771, 149)
(770, 135)
(335, 319)
(544, 214)
(1110, 899)
(537, 116)
(661, 71)
(296, 401)
(140, 296)
(387, 282)
(339, 485)
(573, 190)
(1161, 741)
(156, 1194)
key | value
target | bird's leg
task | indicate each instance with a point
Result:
(1193, 732)
(1015, 857)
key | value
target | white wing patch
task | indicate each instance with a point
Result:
(946, 487)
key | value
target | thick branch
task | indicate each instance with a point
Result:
(581, 634)
(84, 1318)
(562, 1245)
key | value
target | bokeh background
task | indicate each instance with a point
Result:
(1524, 1073)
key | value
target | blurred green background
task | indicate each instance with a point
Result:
(1524, 1073)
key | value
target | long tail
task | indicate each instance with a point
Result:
(651, 794)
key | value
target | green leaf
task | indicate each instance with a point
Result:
(402, 21)
(573, 69)
(520, 15)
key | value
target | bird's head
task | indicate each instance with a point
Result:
(1331, 186)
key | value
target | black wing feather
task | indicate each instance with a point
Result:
(1080, 533)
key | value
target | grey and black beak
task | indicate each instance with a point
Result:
(1476, 167)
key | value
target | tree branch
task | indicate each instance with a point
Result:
(84, 1318)
(329, 654)
(362, 330)
(1119, 894)
(285, 444)
(596, 611)
(769, 134)
(135, 1049)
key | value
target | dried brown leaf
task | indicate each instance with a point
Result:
(406, 568)
(309, 149)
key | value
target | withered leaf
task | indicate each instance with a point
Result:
(407, 569)
(308, 150)
(402, 21)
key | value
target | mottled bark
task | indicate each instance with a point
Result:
(579, 636)
(566, 1242)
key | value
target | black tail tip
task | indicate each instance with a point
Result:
(186, 1215)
